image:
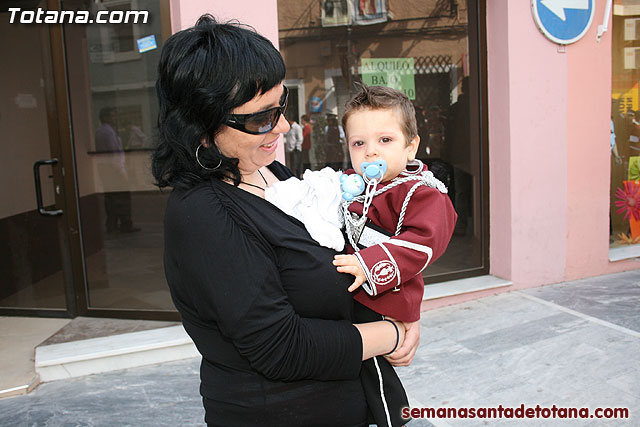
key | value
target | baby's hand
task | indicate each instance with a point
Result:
(349, 264)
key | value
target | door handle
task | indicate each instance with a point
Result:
(36, 177)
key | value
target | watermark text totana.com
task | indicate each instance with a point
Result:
(41, 16)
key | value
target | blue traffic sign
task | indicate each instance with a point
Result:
(563, 21)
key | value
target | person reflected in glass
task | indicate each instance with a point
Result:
(457, 155)
(306, 141)
(137, 138)
(293, 145)
(113, 172)
(334, 147)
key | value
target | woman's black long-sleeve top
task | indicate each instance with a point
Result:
(266, 309)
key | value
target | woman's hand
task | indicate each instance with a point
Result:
(405, 352)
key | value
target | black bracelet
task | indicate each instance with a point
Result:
(397, 336)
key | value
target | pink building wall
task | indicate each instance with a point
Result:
(527, 131)
(589, 166)
(549, 124)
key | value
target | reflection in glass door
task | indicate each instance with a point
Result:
(114, 108)
(33, 255)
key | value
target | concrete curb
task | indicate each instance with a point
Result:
(104, 354)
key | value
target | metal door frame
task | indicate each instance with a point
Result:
(63, 173)
(77, 290)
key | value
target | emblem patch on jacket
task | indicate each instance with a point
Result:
(383, 273)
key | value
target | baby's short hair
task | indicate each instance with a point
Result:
(377, 97)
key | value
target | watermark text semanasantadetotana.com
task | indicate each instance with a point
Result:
(520, 412)
(41, 16)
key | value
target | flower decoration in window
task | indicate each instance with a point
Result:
(629, 200)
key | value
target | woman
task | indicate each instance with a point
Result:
(261, 300)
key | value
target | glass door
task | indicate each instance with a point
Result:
(112, 74)
(34, 250)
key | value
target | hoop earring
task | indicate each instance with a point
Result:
(203, 166)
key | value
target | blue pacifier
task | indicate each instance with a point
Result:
(351, 185)
(374, 170)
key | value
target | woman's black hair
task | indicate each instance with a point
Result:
(204, 73)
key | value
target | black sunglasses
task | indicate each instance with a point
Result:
(261, 122)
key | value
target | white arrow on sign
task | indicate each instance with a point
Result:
(558, 6)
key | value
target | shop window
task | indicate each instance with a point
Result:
(114, 109)
(330, 45)
(624, 218)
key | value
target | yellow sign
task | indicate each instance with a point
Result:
(628, 100)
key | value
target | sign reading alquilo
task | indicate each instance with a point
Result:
(396, 73)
